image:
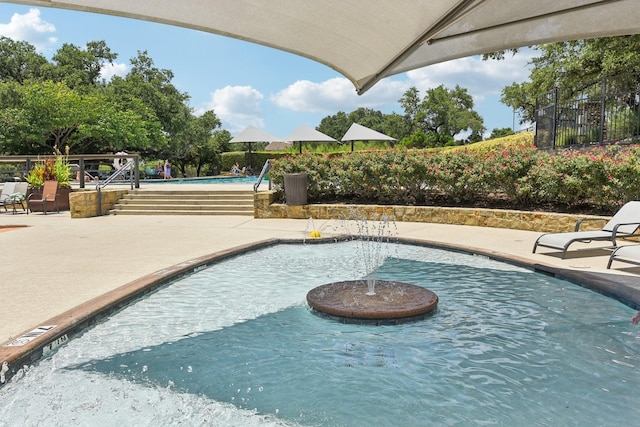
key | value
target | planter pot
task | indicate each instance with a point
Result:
(62, 196)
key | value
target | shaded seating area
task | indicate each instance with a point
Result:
(623, 224)
(14, 194)
(47, 197)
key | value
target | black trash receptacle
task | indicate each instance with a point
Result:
(295, 188)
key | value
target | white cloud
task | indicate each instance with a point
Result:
(337, 94)
(480, 78)
(113, 69)
(237, 107)
(31, 28)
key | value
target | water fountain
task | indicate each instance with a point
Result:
(370, 300)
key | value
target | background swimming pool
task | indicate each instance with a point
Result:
(235, 344)
(210, 180)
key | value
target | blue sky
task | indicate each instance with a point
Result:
(248, 84)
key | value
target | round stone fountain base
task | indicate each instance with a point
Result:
(393, 302)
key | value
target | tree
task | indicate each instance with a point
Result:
(497, 133)
(195, 144)
(43, 117)
(80, 69)
(572, 64)
(335, 126)
(442, 115)
(19, 61)
(395, 126)
(368, 117)
(153, 87)
(110, 128)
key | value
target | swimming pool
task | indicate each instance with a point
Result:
(209, 180)
(235, 344)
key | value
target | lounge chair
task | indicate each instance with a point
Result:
(624, 223)
(5, 197)
(19, 196)
(48, 195)
(628, 253)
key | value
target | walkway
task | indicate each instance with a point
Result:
(56, 263)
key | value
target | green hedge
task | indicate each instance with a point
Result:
(599, 180)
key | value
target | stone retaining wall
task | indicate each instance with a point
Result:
(84, 203)
(497, 218)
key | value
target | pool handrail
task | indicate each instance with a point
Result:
(128, 166)
(265, 169)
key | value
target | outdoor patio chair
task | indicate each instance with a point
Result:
(5, 197)
(19, 196)
(48, 195)
(628, 253)
(624, 223)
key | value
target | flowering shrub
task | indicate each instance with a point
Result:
(514, 176)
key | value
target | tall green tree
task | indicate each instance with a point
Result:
(80, 68)
(440, 116)
(335, 126)
(153, 87)
(19, 62)
(195, 144)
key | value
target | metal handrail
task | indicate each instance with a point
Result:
(120, 172)
(265, 169)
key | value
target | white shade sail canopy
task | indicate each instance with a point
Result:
(253, 134)
(358, 132)
(306, 134)
(370, 40)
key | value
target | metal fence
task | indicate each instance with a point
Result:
(601, 112)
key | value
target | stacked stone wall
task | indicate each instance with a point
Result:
(84, 204)
(498, 218)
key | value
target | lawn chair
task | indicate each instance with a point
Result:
(48, 195)
(19, 196)
(624, 223)
(5, 197)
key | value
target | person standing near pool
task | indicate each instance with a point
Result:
(167, 169)
(636, 318)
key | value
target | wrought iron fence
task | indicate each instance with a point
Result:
(601, 112)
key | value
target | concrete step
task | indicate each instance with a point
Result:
(191, 194)
(159, 202)
(183, 207)
(164, 202)
(181, 212)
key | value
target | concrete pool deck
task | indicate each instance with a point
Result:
(52, 264)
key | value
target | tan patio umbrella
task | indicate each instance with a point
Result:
(306, 134)
(369, 40)
(358, 132)
(253, 135)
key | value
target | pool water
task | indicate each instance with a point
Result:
(210, 180)
(235, 344)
